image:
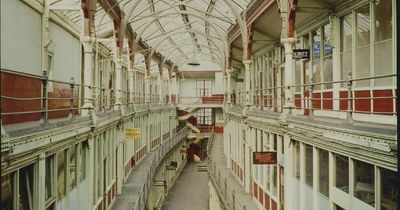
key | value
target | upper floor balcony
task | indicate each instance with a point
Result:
(343, 101)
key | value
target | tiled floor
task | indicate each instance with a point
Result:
(190, 190)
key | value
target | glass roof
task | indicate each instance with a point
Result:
(178, 29)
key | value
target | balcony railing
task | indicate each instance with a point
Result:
(350, 99)
(26, 97)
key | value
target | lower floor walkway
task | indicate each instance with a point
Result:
(190, 190)
(221, 173)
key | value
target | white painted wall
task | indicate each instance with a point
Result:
(66, 50)
(20, 37)
(219, 83)
(187, 87)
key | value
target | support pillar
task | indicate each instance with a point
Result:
(247, 83)
(229, 85)
(288, 45)
(130, 75)
(41, 170)
(90, 172)
(118, 82)
(87, 75)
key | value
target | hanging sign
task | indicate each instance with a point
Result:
(174, 163)
(301, 53)
(202, 168)
(264, 158)
(132, 133)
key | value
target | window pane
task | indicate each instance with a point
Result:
(297, 75)
(346, 46)
(324, 172)
(362, 45)
(342, 173)
(383, 20)
(26, 201)
(274, 180)
(388, 189)
(6, 193)
(61, 174)
(316, 74)
(383, 42)
(72, 167)
(327, 43)
(328, 71)
(297, 160)
(48, 178)
(83, 162)
(364, 177)
(309, 165)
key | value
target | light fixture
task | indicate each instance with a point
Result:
(193, 62)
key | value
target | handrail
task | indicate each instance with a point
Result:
(309, 99)
(101, 99)
(224, 191)
(157, 158)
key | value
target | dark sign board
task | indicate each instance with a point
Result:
(202, 168)
(264, 157)
(301, 53)
(174, 163)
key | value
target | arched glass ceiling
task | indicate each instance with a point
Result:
(177, 29)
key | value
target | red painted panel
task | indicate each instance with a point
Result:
(273, 205)
(22, 87)
(219, 129)
(362, 104)
(297, 100)
(255, 190)
(109, 198)
(61, 91)
(316, 102)
(327, 100)
(261, 195)
(383, 104)
(266, 201)
(343, 100)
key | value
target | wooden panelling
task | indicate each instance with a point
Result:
(21, 87)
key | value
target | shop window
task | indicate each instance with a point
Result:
(363, 28)
(383, 54)
(274, 180)
(83, 162)
(61, 173)
(309, 165)
(327, 58)
(50, 71)
(72, 167)
(389, 191)
(6, 193)
(324, 172)
(346, 30)
(364, 184)
(49, 177)
(26, 200)
(316, 52)
(296, 160)
(342, 173)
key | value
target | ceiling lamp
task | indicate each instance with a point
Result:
(194, 61)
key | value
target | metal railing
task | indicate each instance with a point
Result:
(64, 99)
(216, 99)
(225, 192)
(158, 156)
(309, 99)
